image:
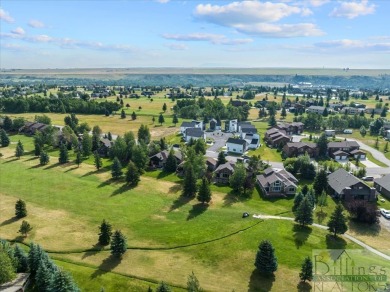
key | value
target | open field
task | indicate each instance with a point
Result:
(152, 218)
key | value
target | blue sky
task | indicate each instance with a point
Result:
(284, 33)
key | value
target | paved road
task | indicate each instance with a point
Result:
(219, 138)
(357, 241)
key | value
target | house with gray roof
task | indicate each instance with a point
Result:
(294, 149)
(194, 134)
(315, 109)
(193, 124)
(277, 183)
(344, 146)
(348, 187)
(382, 185)
(223, 172)
(238, 146)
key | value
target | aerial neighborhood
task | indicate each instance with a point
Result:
(202, 156)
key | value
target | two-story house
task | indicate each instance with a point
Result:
(277, 182)
(294, 149)
(238, 146)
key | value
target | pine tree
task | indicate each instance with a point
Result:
(272, 121)
(109, 136)
(283, 113)
(133, 116)
(363, 131)
(266, 261)
(322, 145)
(118, 244)
(95, 142)
(22, 259)
(163, 288)
(175, 120)
(320, 182)
(204, 194)
(193, 284)
(161, 119)
(7, 270)
(221, 159)
(63, 154)
(37, 149)
(86, 144)
(164, 107)
(97, 160)
(306, 273)
(105, 233)
(337, 222)
(63, 282)
(78, 158)
(44, 158)
(25, 228)
(116, 169)
(132, 174)
(144, 134)
(19, 151)
(322, 200)
(20, 209)
(171, 163)
(7, 123)
(4, 139)
(123, 114)
(45, 275)
(189, 182)
(304, 213)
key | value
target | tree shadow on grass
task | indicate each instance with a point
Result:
(364, 228)
(93, 251)
(259, 282)
(36, 166)
(179, 202)
(101, 170)
(233, 197)
(123, 188)
(175, 188)
(9, 221)
(197, 209)
(321, 215)
(107, 182)
(304, 287)
(12, 160)
(70, 169)
(53, 165)
(333, 242)
(301, 234)
(163, 174)
(106, 266)
(19, 238)
(32, 158)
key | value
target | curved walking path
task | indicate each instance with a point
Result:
(355, 240)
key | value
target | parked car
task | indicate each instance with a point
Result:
(367, 178)
(347, 131)
(385, 213)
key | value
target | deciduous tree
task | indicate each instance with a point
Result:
(25, 228)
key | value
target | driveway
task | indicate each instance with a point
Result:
(219, 138)
(368, 163)
(385, 222)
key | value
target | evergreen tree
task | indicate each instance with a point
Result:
(283, 113)
(363, 131)
(21, 259)
(44, 158)
(189, 182)
(123, 114)
(322, 200)
(63, 154)
(193, 284)
(322, 145)
(161, 119)
(175, 120)
(34, 256)
(204, 194)
(164, 107)
(7, 270)
(133, 116)
(97, 160)
(337, 222)
(163, 144)
(25, 228)
(304, 213)
(4, 139)
(86, 144)
(306, 273)
(221, 159)
(132, 174)
(144, 134)
(63, 282)
(163, 288)
(95, 142)
(171, 163)
(105, 233)
(153, 119)
(109, 136)
(320, 182)
(200, 147)
(45, 274)
(19, 151)
(266, 261)
(297, 201)
(37, 149)
(118, 244)
(78, 158)
(7, 123)
(272, 121)
(116, 169)
(20, 209)
(140, 157)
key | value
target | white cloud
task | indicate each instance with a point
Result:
(281, 30)
(353, 9)
(349, 44)
(4, 15)
(36, 23)
(177, 47)
(19, 31)
(317, 3)
(245, 12)
(216, 39)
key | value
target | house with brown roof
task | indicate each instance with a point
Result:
(158, 160)
(30, 128)
(339, 148)
(277, 183)
(223, 172)
(294, 149)
(294, 128)
(275, 137)
(347, 187)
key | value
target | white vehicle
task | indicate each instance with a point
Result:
(385, 213)
(347, 131)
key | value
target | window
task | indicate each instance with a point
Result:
(277, 183)
(291, 189)
(276, 189)
(225, 175)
